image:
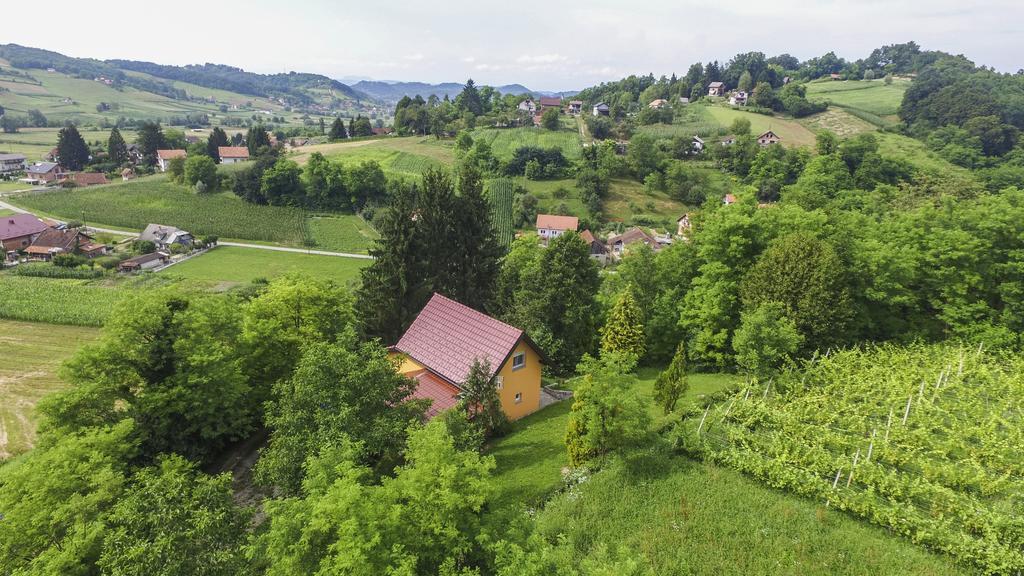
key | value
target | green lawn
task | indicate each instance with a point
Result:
(407, 156)
(872, 96)
(32, 353)
(239, 265)
(681, 516)
(792, 132)
(342, 233)
(505, 141)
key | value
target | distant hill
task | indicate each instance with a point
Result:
(392, 92)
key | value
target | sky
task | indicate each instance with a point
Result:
(544, 46)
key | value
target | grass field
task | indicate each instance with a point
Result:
(229, 264)
(838, 121)
(406, 156)
(344, 233)
(925, 160)
(792, 132)
(874, 97)
(32, 354)
(34, 143)
(681, 516)
(505, 141)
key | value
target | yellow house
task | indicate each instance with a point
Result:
(446, 338)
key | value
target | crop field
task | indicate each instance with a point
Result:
(347, 233)
(792, 132)
(505, 141)
(74, 302)
(838, 121)
(234, 265)
(692, 120)
(136, 203)
(629, 203)
(406, 156)
(36, 142)
(500, 192)
(32, 354)
(924, 441)
(872, 96)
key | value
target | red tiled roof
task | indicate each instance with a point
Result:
(446, 337)
(552, 222)
(18, 225)
(168, 154)
(587, 236)
(550, 100)
(90, 178)
(233, 152)
(442, 394)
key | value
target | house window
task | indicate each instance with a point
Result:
(519, 360)
(519, 397)
(498, 382)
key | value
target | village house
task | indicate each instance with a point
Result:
(658, 104)
(165, 236)
(684, 100)
(87, 178)
(42, 173)
(727, 140)
(835, 76)
(135, 153)
(10, 163)
(698, 144)
(17, 231)
(144, 262)
(598, 251)
(716, 89)
(550, 226)
(575, 107)
(164, 157)
(728, 199)
(738, 98)
(53, 241)
(232, 154)
(547, 102)
(620, 244)
(683, 225)
(127, 174)
(447, 338)
(601, 109)
(528, 106)
(768, 138)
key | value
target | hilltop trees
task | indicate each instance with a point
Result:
(469, 99)
(72, 151)
(257, 138)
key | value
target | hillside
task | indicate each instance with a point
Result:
(392, 92)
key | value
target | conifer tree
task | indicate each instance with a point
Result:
(217, 139)
(624, 331)
(117, 150)
(476, 251)
(671, 384)
(480, 399)
(338, 131)
(257, 138)
(72, 150)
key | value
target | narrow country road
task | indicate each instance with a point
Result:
(14, 208)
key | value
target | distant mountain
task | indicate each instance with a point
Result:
(392, 92)
(293, 88)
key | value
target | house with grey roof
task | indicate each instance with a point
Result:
(164, 236)
(10, 163)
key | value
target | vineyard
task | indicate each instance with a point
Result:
(922, 440)
(348, 233)
(500, 192)
(75, 302)
(505, 141)
(155, 200)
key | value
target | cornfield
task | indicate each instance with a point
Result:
(75, 302)
(500, 192)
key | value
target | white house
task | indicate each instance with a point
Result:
(601, 109)
(164, 157)
(738, 98)
(550, 226)
(716, 89)
(12, 163)
(528, 106)
(232, 154)
(698, 144)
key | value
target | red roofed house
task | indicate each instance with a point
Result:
(439, 349)
(164, 157)
(88, 178)
(728, 199)
(53, 241)
(550, 226)
(620, 244)
(232, 154)
(17, 231)
(768, 138)
(598, 251)
(550, 102)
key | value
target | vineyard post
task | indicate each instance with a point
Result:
(920, 393)
(960, 370)
(871, 446)
(906, 412)
(834, 484)
(766, 387)
(888, 424)
(706, 410)
(853, 468)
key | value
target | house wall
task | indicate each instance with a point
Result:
(524, 381)
(19, 243)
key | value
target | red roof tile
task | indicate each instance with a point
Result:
(90, 178)
(446, 337)
(550, 100)
(552, 222)
(429, 386)
(168, 154)
(233, 152)
(18, 225)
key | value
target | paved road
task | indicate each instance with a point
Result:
(222, 242)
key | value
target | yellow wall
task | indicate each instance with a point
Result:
(525, 381)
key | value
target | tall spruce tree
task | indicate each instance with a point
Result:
(72, 150)
(435, 213)
(671, 384)
(117, 150)
(218, 137)
(257, 138)
(393, 289)
(623, 333)
(150, 139)
(338, 131)
(476, 251)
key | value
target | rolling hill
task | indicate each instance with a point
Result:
(391, 92)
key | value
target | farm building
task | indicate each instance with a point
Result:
(598, 251)
(144, 262)
(716, 89)
(658, 104)
(547, 102)
(618, 245)
(550, 226)
(528, 106)
(87, 178)
(164, 236)
(12, 163)
(43, 173)
(447, 338)
(683, 225)
(53, 241)
(601, 109)
(232, 154)
(17, 231)
(575, 107)
(738, 98)
(164, 157)
(768, 138)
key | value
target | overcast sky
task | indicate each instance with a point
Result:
(543, 45)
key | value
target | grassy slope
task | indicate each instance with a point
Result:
(685, 517)
(793, 133)
(872, 96)
(345, 233)
(32, 353)
(505, 141)
(407, 156)
(239, 265)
